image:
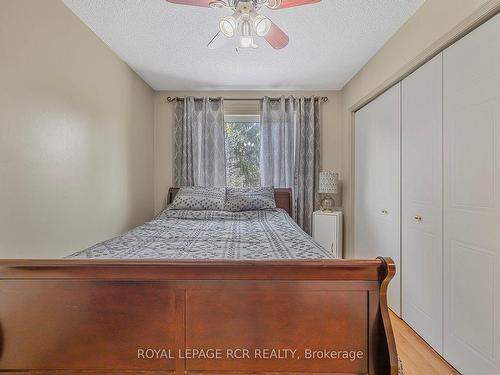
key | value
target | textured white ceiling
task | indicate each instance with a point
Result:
(166, 43)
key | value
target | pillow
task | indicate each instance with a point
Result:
(249, 199)
(199, 198)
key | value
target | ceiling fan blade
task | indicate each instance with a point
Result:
(218, 41)
(197, 3)
(276, 37)
(294, 3)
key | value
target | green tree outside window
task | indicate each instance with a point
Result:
(242, 143)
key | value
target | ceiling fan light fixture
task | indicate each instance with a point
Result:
(246, 28)
(246, 23)
(261, 25)
(246, 38)
(228, 26)
(247, 42)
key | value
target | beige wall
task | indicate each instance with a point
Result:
(76, 135)
(164, 146)
(433, 24)
(76, 125)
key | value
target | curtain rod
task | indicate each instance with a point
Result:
(173, 99)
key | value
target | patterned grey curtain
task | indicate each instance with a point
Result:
(290, 151)
(276, 142)
(307, 157)
(199, 142)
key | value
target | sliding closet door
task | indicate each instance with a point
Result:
(377, 184)
(472, 201)
(421, 218)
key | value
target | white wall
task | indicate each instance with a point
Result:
(164, 132)
(76, 135)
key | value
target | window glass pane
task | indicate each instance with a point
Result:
(242, 154)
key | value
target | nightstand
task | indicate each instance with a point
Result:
(327, 231)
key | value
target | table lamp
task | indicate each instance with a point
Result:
(328, 184)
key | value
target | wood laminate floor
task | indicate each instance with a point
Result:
(417, 356)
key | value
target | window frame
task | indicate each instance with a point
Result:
(242, 118)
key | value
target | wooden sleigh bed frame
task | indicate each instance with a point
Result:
(154, 317)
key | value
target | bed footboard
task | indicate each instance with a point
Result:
(191, 317)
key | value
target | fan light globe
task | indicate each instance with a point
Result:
(228, 26)
(218, 4)
(246, 42)
(246, 28)
(273, 4)
(246, 39)
(261, 25)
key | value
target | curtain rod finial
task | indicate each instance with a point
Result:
(170, 99)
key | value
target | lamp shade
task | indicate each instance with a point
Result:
(328, 182)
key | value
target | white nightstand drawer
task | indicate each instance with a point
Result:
(327, 231)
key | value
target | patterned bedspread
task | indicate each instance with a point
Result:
(186, 234)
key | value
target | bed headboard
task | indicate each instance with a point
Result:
(282, 196)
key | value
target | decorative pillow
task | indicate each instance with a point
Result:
(249, 199)
(199, 198)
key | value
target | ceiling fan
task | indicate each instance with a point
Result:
(247, 22)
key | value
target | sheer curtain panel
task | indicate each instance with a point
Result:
(199, 142)
(276, 147)
(290, 151)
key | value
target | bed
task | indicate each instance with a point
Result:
(213, 234)
(204, 305)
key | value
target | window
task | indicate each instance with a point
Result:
(242, 143)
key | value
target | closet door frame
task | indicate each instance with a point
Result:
(478, 18)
